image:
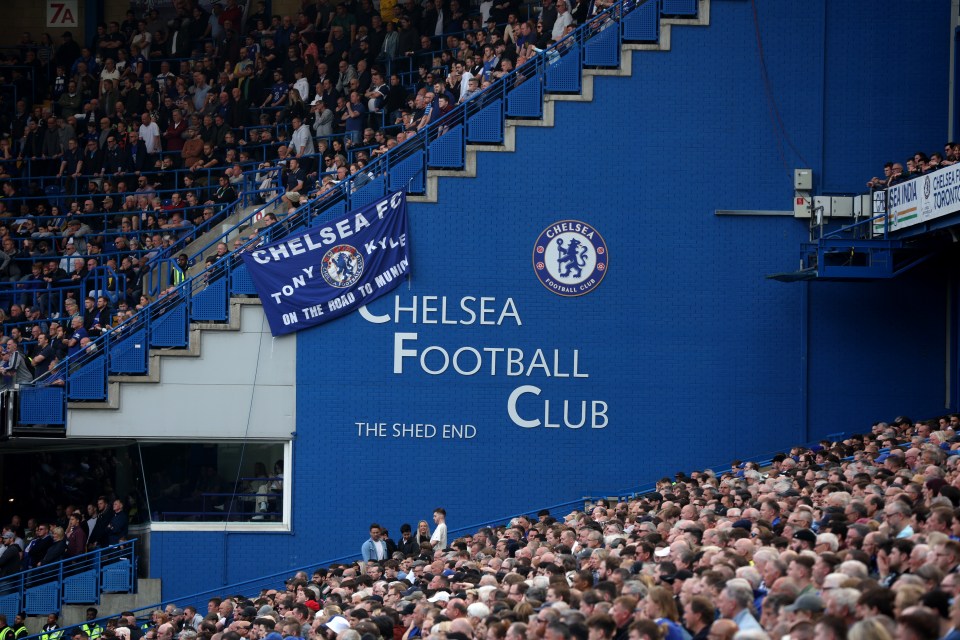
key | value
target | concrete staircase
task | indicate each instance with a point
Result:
(550, 101)
(154, 363)
(433, 176)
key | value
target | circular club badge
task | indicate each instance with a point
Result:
(570, 258)
(342, 266)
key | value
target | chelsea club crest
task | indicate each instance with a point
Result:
(570, 258)
(342, 266)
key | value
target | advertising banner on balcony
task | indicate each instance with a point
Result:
(331, 270)
(924, 198)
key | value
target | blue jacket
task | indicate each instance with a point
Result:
(369, 551)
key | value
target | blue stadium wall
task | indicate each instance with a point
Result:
(697, 357)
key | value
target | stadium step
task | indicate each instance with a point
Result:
(469, 170)
(155, 362)
(550, 99)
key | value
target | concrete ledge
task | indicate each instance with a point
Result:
(112, 402)
(585, 95)
(625, 69)
(153, 372)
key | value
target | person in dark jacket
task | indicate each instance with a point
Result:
(37, 548)
(10, 558)
(98, 536)
(76, 536)
(407, 545)
(117, 529)
(57, 551)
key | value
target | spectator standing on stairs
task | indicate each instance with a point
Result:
(10, 558)
(37, 547)
(439, 538)
(564, 19)
(98, 535)
(179, 271)
(117, 529)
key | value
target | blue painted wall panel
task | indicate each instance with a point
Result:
(698, 356)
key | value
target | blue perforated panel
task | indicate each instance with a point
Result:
(129, 354)
(170, 330)
(81, 588)
(563, 75)
(486, 126)
(642, 24)
(446, 152)
(211, 304)
(331, 211)
(368, 193)
(10, 605)
(240, 281)
(89, 382)
(685, 8)
(526, 101)
(603, 50)
(409, 174)
(116, 578)
(42, 405)
(41, 600)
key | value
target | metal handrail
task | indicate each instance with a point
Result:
(329, 202)
(59, 573)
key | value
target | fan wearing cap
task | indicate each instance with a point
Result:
(808, 607)
(333, 626)
(803, 540)
(411, 615)
(10, 558)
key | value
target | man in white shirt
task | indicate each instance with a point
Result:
(150, 134)
(564, 20)
(301, 85)
(465, 77)
(302, 140)
(439, 538)
(374, 549)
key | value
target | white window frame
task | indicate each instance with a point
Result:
(249, 527)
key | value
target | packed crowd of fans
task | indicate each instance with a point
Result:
(73, 532)
(917, 165)
(115, 152)
(850, 539)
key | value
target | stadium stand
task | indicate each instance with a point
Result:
(855, 538)
(820, 543)
(113, 158)
(515, 81)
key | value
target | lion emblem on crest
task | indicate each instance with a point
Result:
(572, 258)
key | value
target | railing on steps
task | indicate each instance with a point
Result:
(77, 580)
(442, 144)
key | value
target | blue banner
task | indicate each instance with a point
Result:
(331, 270)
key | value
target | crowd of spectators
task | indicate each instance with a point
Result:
(858, 538)
(116, 151)
(73, 532)
(917, 165)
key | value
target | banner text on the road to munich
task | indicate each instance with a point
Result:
(331, 270)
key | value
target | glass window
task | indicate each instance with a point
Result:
(215, 482)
